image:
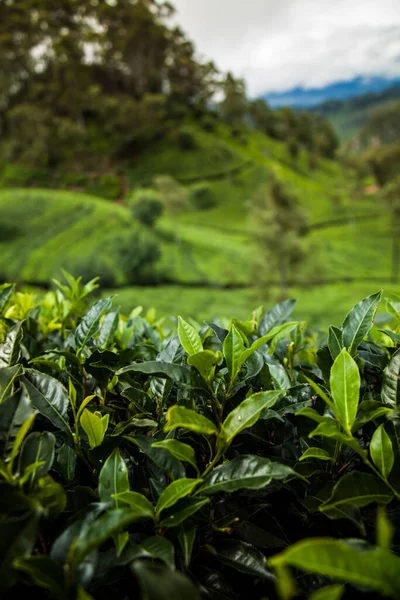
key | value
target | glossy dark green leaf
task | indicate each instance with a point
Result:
(335, 341)
(246, 414)
(157, 547)
(90, 322)
(49, 397)
(44, 572)
(391, 382)
(243, 472)
(340, 561)
(113, 478)
(108, 328)
(245, 558)
(220, 332)
(182, 510)
(10, 349)
(359, 321)
(37, 447)
(186, 537)
(6, 292)
(189, 338)
(276, 316)
(345, 388)
(381, 450)
(175, 491)
(179, 416)
(158, 582)
(357, 489)
(161, 457)
(66, 462)
(17, 540)
(179, 374)
(7, 377)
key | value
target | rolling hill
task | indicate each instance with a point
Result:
(212, 268)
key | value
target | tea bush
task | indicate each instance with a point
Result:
(160, 459)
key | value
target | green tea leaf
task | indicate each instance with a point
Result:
(179, 416)
(335, 341)
(329, 592)
(275, 334)
(233, 349)
(44, 572)
(182, 510)
(181, 451)
(243, 472)
(37, 448)
(135, 501)
(157, 547)
(204, 362)
(357, 489)
(189, 338)
(381, 450)
(10, 349)
(95, 426)
(7, 377)
(316, 453)
(276, 316)
(158, 582)
(245, 558)
(175, 491)
(329, 428)
(359, 321)
(108, 328)
(384, 529)
(390, 393)
(66, 462)
(90, 323)
(49, 397)
(369, 569)
(345, 388)
(6, 292)
(113, 478)
(178, 373)
(247, 413)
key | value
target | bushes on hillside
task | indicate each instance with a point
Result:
(384, 162)
(202, 196)
(146, 206)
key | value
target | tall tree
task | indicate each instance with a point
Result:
(234, 104)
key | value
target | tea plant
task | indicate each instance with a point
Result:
(158, 459)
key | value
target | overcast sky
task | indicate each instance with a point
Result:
(279, 44)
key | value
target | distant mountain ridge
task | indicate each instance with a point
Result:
(341, 90)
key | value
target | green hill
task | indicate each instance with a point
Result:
(43, 230)
(348, 116)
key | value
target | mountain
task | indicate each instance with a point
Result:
(340, 90)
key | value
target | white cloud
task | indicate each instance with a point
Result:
(279, 44)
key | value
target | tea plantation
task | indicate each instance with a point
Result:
(175, 458)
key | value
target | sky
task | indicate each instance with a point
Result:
(279, 44)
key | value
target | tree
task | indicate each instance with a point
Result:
(146, 206)
(234, 105)
(279, 225)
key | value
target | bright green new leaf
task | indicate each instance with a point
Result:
(328, 592)
(189, 338)
(113, 478)
(359, 321)
(233, 349)
(345, 388)
(135, 501)
(179, 416)
(316, 453)
(384, 529)
(204, 362)
(381, 451)
(95, 426)
(276, 334)
(181, 451)
(328, 557)
(175, 491)
(19, 438)
(246, 414)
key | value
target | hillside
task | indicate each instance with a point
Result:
(348, 116)
(47, 229)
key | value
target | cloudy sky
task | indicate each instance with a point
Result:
(279, 44)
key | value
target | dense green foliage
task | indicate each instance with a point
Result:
(161, 459)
